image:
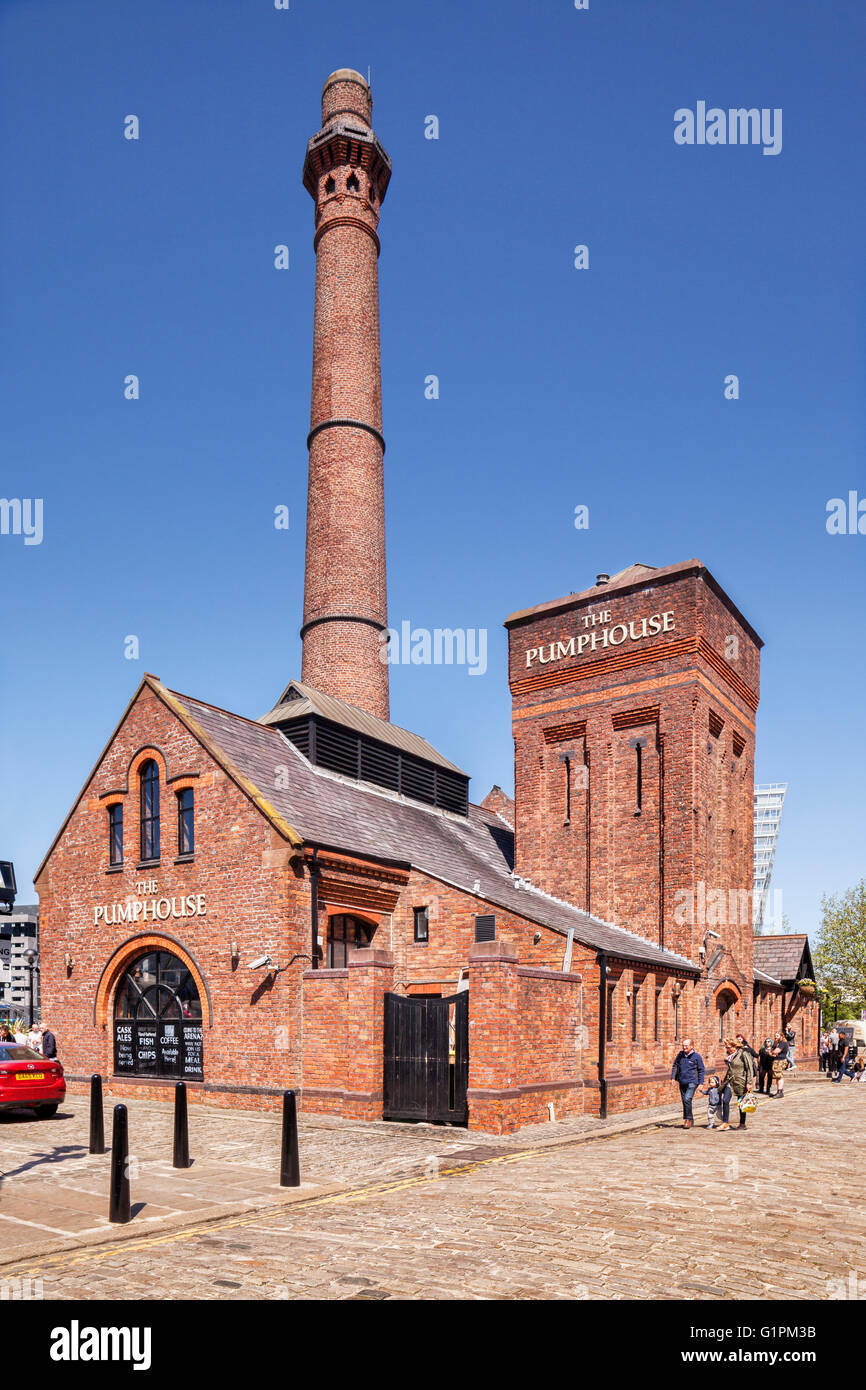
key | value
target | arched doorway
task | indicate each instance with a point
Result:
(725, 1001)
(157, 1020)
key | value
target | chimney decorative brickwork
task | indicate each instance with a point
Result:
(346, 172)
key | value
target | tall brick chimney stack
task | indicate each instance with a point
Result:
(346, 172)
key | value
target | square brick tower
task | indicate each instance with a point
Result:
(634, 736)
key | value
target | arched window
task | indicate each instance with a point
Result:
(157, 1019)
(149, 805)
(185, 822)
(345, 935)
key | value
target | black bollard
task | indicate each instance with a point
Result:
(118, 1204)
(97, 1128)
(181, 1128)
(290, 1167)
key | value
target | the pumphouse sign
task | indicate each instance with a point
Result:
(601, 633)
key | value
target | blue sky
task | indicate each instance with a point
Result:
(558, 387)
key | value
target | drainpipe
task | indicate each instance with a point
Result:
(314, 909)
(602, 1034)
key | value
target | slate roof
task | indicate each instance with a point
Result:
(763, 979)
(309, 701)
(474, 853)
(781, 956)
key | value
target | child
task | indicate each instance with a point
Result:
(715, 1102)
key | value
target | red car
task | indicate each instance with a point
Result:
(28, 1079)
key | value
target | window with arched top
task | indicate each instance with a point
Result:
(158, 1019)
(148, 781)
(346, 934)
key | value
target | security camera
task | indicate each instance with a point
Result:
(259, 962)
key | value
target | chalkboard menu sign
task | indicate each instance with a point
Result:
(193, 1044)
(169, 1047)
(145, 1049)
(124, 1051)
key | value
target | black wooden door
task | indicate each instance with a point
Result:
(426, 1058)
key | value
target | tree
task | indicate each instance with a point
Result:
(840, 950)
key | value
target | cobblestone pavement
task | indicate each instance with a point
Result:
(653, 1213)
(54, 1193)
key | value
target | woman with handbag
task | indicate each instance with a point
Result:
(739, 1075)
(780, 1063)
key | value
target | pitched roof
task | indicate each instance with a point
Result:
(782, 956)
(298, 700)
(763, 979)
(474, 852)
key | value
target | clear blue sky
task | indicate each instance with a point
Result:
(558, 387)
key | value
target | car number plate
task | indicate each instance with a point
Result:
(30, 1076)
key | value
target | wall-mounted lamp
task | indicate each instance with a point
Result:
(537, 937)
(234, 953)
(68, 962)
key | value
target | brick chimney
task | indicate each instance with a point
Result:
(346, 172)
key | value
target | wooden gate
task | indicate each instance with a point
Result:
(426, 1058)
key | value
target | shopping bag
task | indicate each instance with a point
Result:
(748, 1103)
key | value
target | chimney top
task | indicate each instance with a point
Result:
(602, 578)
(346, 93)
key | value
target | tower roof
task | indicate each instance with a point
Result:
(634, 576)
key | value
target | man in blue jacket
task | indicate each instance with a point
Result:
(688, 1071)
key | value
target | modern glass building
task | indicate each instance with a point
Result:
(769, 800)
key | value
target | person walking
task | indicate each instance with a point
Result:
(832, 1050)
(846, 1057)
(49, 1042)
(740, 1073)
(765, 1066)
(713, 1091)
(780, 1064)
(823, 1051)
(34, 1038)
(791, 1039)
(688, 1071)
(6, 1034)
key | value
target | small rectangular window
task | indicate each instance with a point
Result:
(609, 1020)
(485, 927)
(115, 834)
(186, 822)
(422, 924)
(656, 1009)
(676, 1018)
(634, 1012)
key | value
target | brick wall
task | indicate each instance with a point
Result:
(240, 869)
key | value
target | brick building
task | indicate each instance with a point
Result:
(310, 899)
